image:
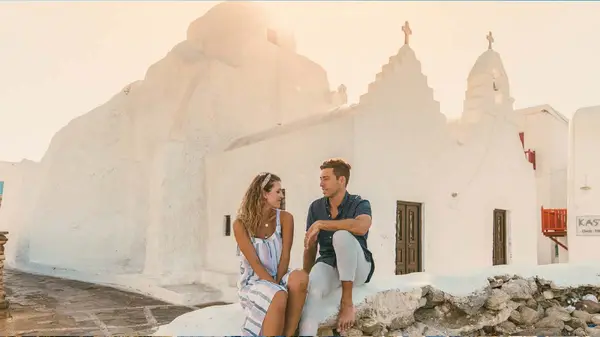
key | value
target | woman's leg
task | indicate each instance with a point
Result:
(275, 318)
(297, 286)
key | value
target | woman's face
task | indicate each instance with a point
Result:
(275, 196)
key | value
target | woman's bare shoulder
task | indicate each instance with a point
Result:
(286, 216)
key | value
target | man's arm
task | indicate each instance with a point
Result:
(310, 251)
(360, 225)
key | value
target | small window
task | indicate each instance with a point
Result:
(283, 200)
(228, 225)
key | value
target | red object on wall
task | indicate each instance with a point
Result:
(554, 221)
(531, 157)
(522, 137)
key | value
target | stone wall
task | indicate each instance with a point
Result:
(508, 305)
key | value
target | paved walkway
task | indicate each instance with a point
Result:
(42, 305)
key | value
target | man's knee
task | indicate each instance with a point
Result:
(342, 238)
(318, 282)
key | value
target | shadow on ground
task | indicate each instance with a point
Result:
(43, 305)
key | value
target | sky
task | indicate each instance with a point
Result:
(59, 60)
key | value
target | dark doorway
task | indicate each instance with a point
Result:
(408, 238)
(499, 250)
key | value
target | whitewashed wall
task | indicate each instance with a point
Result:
(583, 182)
(547, 132)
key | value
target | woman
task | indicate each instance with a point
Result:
(272, 295)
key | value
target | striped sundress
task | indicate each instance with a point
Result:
(255, 294)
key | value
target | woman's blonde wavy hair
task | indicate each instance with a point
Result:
(250, 211)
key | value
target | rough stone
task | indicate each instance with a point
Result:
(531, 303)
(433, 296)
(595, 319)
(577, 323)
(497, 300)
(548, 294)
(519, 289)
(579, 332)
(402, 322)
(583, 315)
(559, 313)
(550, 322)
(588, 306)
(370, 325)
(353, 333)
(528, 315)
(506, 328)
(472, 303)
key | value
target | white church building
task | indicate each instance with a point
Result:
(141, 192)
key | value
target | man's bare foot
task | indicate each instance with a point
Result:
(346, 317)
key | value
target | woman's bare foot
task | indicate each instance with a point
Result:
(346, 317)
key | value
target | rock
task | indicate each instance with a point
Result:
(370, 325)
(389, 305)
(528, 315)
(515, 317)
(548, 294)
(353, 333)
(495, 282)
(579, 332)
(590, 297)
(594, 332)
(588, 306)
(325, 331)
(433, 296)
(550, 322)
(413, 330)
(531, 303)
(568, 328)
(519, 289)
(559, 313)
(506, 328)
(585, 316)
(402, 322)
(480, 321)
(422, 302)
(577, 323)
(542, 332)
(442, 310)
(497, 300)
(472, 303)
(595, 319)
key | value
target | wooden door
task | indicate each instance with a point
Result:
(408, 238)
(499, 250)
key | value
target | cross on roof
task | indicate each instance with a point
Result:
(407, 32)
(490, 39)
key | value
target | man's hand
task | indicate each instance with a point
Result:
(311, 235)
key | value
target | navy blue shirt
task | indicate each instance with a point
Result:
(351, 207)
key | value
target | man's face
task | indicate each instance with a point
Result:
(329, 184)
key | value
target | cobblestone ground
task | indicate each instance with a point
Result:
(42, 305)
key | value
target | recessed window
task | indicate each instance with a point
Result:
(227, 225)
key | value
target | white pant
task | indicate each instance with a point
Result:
(351, 266)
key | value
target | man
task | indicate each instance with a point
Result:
(339, 223)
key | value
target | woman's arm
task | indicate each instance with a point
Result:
(243, 241)
(287, 232)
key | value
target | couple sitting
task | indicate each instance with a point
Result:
(272, 295)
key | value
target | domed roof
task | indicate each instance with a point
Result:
(229, 17)
(488, 63)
